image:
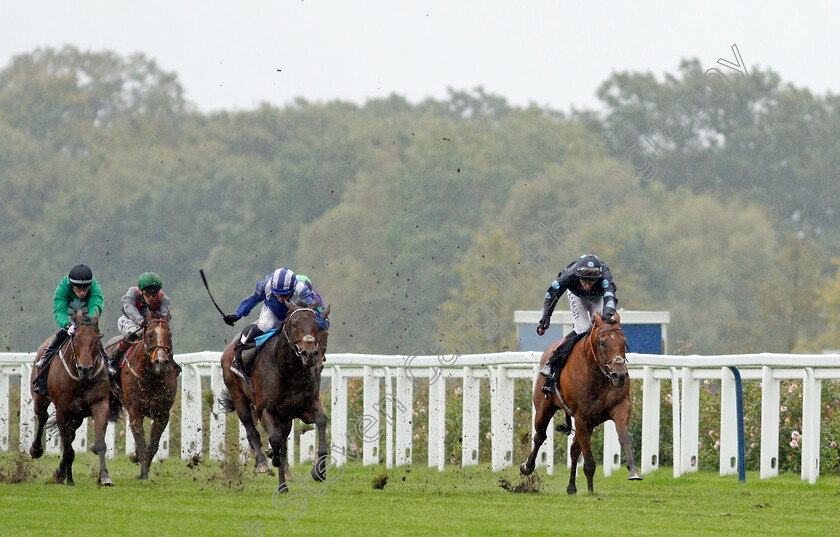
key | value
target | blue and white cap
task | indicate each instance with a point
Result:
(283, 282)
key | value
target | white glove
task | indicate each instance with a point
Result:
(71, 329)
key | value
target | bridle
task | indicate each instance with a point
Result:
(72, 345)
(295, 345)
(605, 367)
(151, 350)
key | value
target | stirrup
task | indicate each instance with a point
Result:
(237, 371)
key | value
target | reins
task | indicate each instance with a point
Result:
(75, 361)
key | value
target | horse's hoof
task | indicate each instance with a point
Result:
(106, 481)
(70, 483)
(319, 473)
(571, 490)
(634, 476)
(283, 489)
(58, 477)
(262, 468)
(524, 469)
(36, 453)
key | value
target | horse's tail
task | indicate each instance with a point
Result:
(116, 406)
(226, 401)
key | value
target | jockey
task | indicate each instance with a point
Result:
(78, 291)
(146, 297)
(319, 302)
(591, 291)
(274, 291)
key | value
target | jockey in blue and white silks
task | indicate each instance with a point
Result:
(275, 291)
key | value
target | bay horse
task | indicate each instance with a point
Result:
(149, 380)
(78, 386)
(594, 384)
(285, 384)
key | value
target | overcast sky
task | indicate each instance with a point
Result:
(235, 55)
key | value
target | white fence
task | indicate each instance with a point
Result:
(393, 412)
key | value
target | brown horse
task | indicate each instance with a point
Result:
(149, 382)
(78, 386)
(286, 377)
(595, 386)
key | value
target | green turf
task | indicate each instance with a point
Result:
(212, 498)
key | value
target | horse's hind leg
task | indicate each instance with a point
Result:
(101, 412)
(582, 439)
(42, 404)
(574, 455)
(139, 434)
(156, 431)
(545, 411)
(243, 410)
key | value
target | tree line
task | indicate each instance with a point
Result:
(417, 219)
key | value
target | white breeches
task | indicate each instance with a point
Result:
(583, 310)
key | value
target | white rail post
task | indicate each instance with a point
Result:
(612, 448)
(52, 439)
(728, 423)
(545, 456)
(389, 419)
(675, 420)
(769, 424)
(501, 417)
(690, 420)
(471, 418)
(651, 392)
(111, 440)
(367, 427)
(27, 410)
(4, 411)
(191, 426)
(163, 447)
(405, 418)
(80, 442)
(307, 447)
(811, 394)
(217, 415)
(437, 420)
(338, 417)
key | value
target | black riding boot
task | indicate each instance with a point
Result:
(43, 365)
(551, 370)
(246, 351)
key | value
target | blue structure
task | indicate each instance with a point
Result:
(646, 331)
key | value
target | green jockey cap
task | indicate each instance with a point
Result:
(149, 280)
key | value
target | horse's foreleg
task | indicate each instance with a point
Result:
(156, 431)
(101, 411)
(42, 404)
(622, 421)
(278, 433)
(68, 434)
(543, 416)
(582, 438)
(138, 431)
(319, 470)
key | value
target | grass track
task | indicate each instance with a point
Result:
(217, 499)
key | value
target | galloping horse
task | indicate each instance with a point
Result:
(594, 386)
(286, 377)
(78, 386)
(149, 382)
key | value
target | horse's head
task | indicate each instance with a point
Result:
(608, 344)
(157, 339)
(86, 342)
(301, 331)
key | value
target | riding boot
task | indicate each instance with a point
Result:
(552, 368)
(115, 360)
(43, 365)
(246, 351)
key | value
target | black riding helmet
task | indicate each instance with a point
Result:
(588, 267)
(81, 275)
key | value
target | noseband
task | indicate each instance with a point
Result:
(604, 367)
(295, 345)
